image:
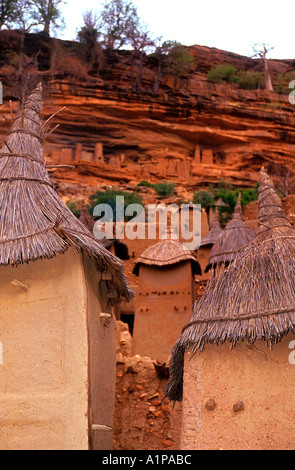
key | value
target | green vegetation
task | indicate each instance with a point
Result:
(223, 73)
(283, 81)
(248, 80)
(146, 184)
(165, 188)
(229, 195)
(8, 12)
(118, 21)
(179, 61)
(162, 189)
(75, 207)
(26, 14)
(204, 198)
(109, 197)
(251, 80)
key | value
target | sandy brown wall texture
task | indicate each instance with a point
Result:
(102, 361)
(162, 307)
(43, 378)
(144, 420)
(257, 382)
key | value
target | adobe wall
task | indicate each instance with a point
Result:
(102, 360)
(162, 307)
(203, 255)
(261, 379)
(189, 218)
(144, 419)
(43, 378)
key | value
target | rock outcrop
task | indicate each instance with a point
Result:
(195, 134)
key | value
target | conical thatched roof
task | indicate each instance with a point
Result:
(34, 221)
(236, 234)
(168, 251)
(254, 298)
(215, 230)
(220, 203)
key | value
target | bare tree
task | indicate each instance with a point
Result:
(89, 35)
(260, 51)
(140, 41)
(25, 20)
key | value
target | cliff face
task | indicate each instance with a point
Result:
(195, 134)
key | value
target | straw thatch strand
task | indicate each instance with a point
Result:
(35, 223)
(236, 234)
(254, 298)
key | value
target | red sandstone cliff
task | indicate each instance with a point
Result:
(195, 134)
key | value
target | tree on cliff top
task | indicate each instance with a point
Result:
(89, 35)
(8, 12)
(261, 51)
(118, 20)
(173, 59)
(141, 41)
(48, 14)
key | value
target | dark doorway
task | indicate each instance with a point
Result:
(129, 319)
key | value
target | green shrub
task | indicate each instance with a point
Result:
(247, 80)
(165, 188)
(75, 207)
(223, 73)
(204, 198)
(146, 184)
(283, 80)
(251, 80)
(229, 196)
(109, 197)
(179, 62)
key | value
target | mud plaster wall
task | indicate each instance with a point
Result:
(163, 306)
(203, 258)
(263, 380)
(144, 420)
(102, 360)
(43, 379)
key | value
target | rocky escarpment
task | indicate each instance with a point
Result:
(194, 134)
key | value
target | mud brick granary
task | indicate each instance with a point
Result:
(164, 296)
(231, 366)
(58, 284)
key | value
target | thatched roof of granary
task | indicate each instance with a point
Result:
(35, 223)
(236, 234)
(168, 251)
(215, 230)
(253, 299)
(220, 203)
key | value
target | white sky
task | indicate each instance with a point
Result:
(232, 25)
